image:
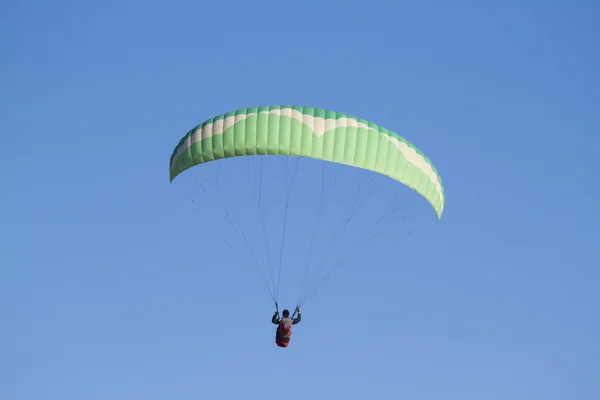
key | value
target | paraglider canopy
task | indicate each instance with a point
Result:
(310, 132)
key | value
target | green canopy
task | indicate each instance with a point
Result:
(314, 133)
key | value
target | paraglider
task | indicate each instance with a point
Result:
(307, 133)
(283, 333)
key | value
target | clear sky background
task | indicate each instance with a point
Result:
(112, 286)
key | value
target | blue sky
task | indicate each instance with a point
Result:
(112, 286)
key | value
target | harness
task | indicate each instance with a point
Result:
(284, 330)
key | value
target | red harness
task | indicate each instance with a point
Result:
(282, 339)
